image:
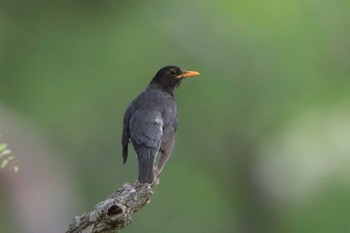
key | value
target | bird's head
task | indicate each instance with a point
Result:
(170, 77)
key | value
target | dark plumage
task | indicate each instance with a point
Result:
(150, 121)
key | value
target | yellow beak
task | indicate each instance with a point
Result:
(188, 74)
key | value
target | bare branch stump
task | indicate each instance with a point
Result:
(114, 213)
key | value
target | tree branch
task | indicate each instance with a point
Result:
(114, 213)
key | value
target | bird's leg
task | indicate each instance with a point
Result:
(156, 172)
(156, 176)
(162, 161)
(165, 151)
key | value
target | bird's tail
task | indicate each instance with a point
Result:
(146, 159)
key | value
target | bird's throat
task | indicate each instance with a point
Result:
(170, 89)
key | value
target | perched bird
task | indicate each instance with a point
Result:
(150, 122)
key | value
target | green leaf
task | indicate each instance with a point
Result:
(4, 163)
(3, 146)
(15, 169)
(6, 152)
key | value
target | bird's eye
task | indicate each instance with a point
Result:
(172, 72)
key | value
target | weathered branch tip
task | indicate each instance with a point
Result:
(114, 213)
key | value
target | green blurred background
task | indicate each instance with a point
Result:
(263, 143)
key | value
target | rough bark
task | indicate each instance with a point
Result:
(114, 213)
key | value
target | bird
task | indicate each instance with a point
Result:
(150, 122)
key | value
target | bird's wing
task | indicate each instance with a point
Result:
(146, 128)
(126, 133)
(146, 132)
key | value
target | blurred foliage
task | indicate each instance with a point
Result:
(72, 67)
(7, 159)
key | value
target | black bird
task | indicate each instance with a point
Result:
(150, 122)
